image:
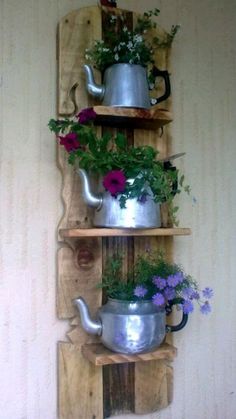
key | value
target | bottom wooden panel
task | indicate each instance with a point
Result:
(80, 385)
(158, 396)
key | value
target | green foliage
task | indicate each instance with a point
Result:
(123, 46)
(100, 155)
(145, 268)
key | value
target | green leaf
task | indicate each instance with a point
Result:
(121, 141)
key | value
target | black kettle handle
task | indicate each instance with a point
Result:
(184, 319)
(162, 73)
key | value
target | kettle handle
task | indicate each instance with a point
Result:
(162, 73)
(183, 321)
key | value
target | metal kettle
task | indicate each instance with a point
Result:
(128, 326)
(108, 212)
(125, 85)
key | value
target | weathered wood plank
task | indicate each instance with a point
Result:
(99, 355)
(80, 385)
(112, 232)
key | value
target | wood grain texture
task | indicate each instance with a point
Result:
(119, 232)
(132, 117)
(80, 385)
(99, 355)
(76, 32)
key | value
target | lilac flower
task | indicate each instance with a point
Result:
(158, 299)
(140, 291)
(207, 292)
(195, 295)
(175, 279)
(205, 308)
(187, 307)
(114, 182)
(159, 282)
(169, 293)
(188, 292)
(86, 115)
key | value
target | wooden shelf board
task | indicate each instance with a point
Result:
(152, 118)
(112, 232)
(99, 355)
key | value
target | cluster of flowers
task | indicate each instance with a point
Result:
(174, 287)
(135, 46)
(114, 181)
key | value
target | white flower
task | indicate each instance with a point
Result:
(130, 45)
(113, 18)
(138, 38)
(116, 57)
(153, 101)
(125, 29)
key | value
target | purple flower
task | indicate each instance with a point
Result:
(195, 295)
(169, 293)
(188, 292)
(159, 282)
(207, 292)
(140, 291)
(205, 308)
(187, 307)
(70, 141)
(174, 280)
(158, 299)
(114, 182)
(86, 115)
(143, 198)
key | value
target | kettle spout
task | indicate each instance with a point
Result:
(90, 326)
(91, 199)
(93, 88)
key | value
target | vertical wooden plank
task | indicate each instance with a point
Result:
(80, 263)
(77, 30)
(154, 393)
(80, 385)
(118, 380)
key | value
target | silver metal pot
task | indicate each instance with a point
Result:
(128, 326)
(125, 85)
(108, 212)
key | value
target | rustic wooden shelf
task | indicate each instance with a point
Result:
(152, 118)
(99, 355)
(117, 232)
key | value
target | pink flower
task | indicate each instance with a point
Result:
(86, 115)
(114, 182)
(70, 141)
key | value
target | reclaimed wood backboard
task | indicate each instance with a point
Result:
(87, 391)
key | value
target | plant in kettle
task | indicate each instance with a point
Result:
(126, 59)
(133, 320)
(122, 45)
(155, 279)
(127, 172)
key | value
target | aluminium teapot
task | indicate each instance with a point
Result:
(108, 212)
(129, 327)
(126, 85)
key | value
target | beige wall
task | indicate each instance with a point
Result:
(204, 95)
